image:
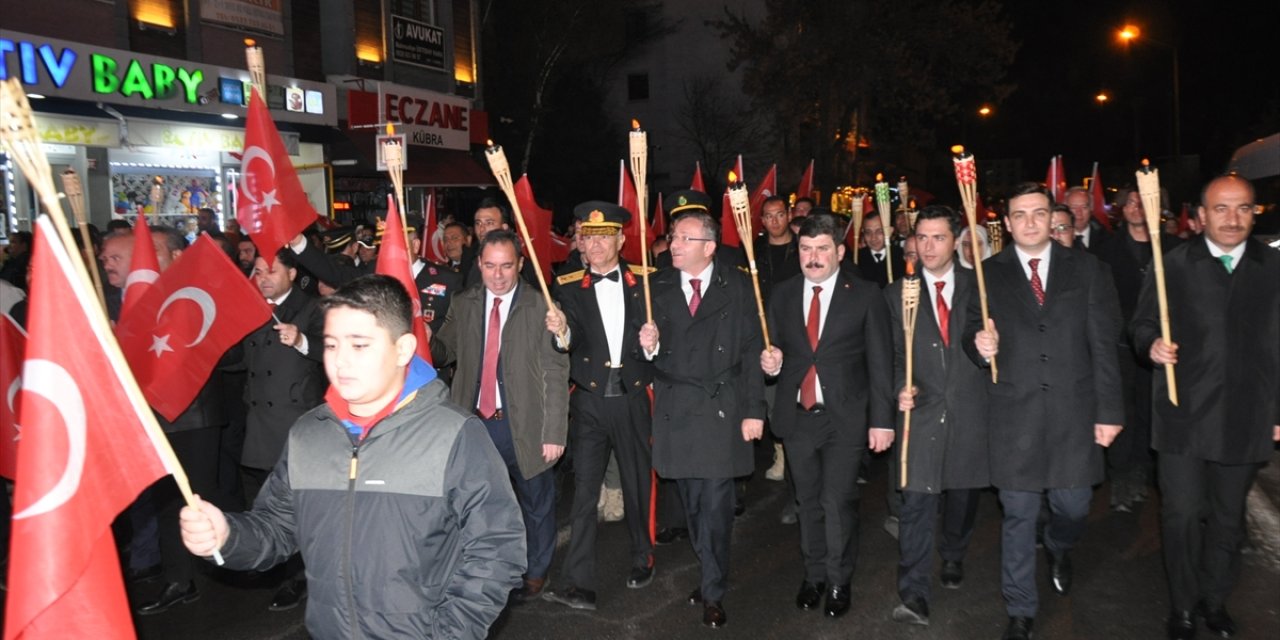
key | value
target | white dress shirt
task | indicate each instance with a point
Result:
(1042, 268)
(303, 346)
(1236, 254)
(949, 280)
(824, 305)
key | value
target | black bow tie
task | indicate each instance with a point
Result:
(612, 275)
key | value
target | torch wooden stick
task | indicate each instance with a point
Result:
(639, 169)
(886, 220)
(1149, 190)
(393, 158)
(257, 67)
(20, 141)
(740, 202)
(856, 205)
(502, 171)
(967, 181)
(74, 190)
(910, 305)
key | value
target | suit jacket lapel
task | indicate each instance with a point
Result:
(714, 295)
(1009, 268)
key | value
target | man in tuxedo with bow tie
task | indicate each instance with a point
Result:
(598, 325)
(871, 258)
(947, 456)
(1055, 320)
(831, 353)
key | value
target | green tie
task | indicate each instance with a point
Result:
(1226, 262)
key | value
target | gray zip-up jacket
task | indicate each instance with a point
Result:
(413, 533)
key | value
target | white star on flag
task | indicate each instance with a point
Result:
(160, 344)
(269, 200)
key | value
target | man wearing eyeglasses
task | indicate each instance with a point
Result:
(1052, 334)
(1224, 310)
(1060, 226)
(709, 404)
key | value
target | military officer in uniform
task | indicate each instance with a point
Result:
(602, 310)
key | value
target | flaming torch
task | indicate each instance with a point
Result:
(855, 221)
(910, 305)
(967, 181)
(1149, 190)
(740, 202)
(639, 141)
(886, 220)
(257, 66)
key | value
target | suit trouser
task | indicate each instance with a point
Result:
(823, 458)
(1202, 520)
(197, 451)
(537, 497)
(1068, 509)
(600, 425)
(708, 504)
(916, 528)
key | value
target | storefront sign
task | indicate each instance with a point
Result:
(259, 15)
(72, 70)
(79, 131)
(417, 43)
(427, 118)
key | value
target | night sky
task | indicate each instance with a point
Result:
(1229, 64)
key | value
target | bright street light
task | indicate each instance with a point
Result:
(984, 111)
(1129, 32)
(1127, 35)
(1102, 97)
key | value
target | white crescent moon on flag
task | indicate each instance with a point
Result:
(13, 393)
(141, 276)
(208, 308)
(261, 154)
(47, 379)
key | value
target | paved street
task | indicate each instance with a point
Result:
(1119, 590)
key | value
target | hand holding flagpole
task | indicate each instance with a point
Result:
(741, 204)
(639, 141)
(967, 181)
(910, 307)
(1149, 190)
(19, 140)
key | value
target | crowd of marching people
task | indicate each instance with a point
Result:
(395, 452)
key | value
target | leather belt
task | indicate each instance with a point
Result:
(497, 415)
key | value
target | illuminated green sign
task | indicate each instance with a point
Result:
(153, 81)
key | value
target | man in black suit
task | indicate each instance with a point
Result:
(704, 343)
(1090, 234)
(1224, 306)
(831, 373)
(871, 258)
(947, 457)
(602, 309)
(1054, 322)
(284, 362)
(1128, 252)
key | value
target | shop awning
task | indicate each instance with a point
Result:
(427, 167)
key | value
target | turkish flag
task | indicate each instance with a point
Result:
(766, 189)
(144, 267)
(199, 307)
(729, 229)
(270, 203)
(659, 225)
(628, 199)
(696, 183)
(538, 221)
(86, 454)
(393, 260)
(432, 249)
(806, 183)
(13, 342)
(561, 247)
(1055, 179)
(1096, 194)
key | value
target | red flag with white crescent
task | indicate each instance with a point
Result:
(144, 267)
(198, 308)
(85, 455)
(432, 249)
(766, 188)
(13, 342)
(393, 260)
(271, 205)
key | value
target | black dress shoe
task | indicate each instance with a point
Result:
(952, 574)
(1060, 573)
(668, 535)
(530, 590)
(695, 596)
(173, 593)
(290, 595)
(1182, 625)
(641, 576)
(140, 575)
(810, 595)
(912, 611)
(713, 615)
(1019, 628)
(838, 600)
(572, 597)
(1217, 620)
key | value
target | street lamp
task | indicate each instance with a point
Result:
(1128, 34)
(1102, 97)
(984, 110)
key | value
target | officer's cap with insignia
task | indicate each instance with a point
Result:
(686, 201)
(338, 238)
(600, 218)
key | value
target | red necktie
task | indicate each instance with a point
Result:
(489, 374)
(809, 387)
(696, 298)
(944, 315)
(1037, 286)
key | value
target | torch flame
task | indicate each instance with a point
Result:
(249, 42)
(635, 124)
(488, 142)
(1146, 163)
(957, 149)
(391, 129)
(879, 177)
(733, 177)
(911, 268)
